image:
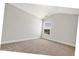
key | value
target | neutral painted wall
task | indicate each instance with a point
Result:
(20, 25)
(63, 28)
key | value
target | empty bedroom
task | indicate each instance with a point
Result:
(39, 29)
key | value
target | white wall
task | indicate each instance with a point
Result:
(64, 28)
(19, 25)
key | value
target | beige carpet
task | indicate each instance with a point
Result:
(40, 46)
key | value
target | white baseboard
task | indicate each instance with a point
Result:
(62, 42)
(12, 41)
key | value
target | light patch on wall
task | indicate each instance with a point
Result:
(47, 24)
